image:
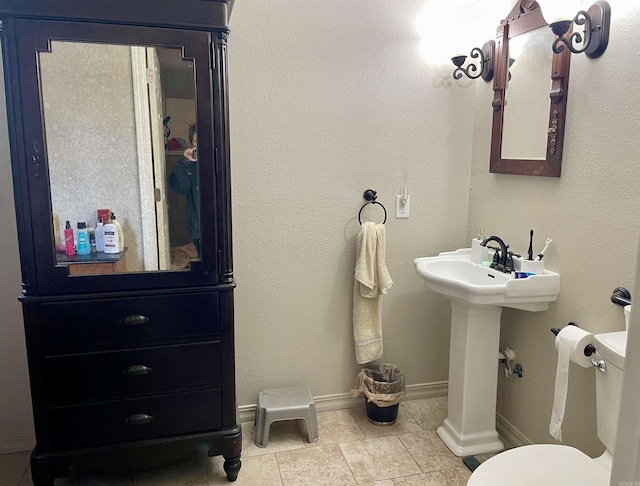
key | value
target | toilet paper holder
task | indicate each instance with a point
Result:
(589, 350)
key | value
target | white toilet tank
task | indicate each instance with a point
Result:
(611, 348)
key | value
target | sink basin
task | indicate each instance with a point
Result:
(455, 276)
(478, 294)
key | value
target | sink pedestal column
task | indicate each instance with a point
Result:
(470, 426)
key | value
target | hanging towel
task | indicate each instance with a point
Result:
(372, 281)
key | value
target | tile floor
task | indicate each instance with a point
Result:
(350, 451)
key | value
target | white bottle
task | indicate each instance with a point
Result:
(111, 239)
(99, 232)
(120, 232)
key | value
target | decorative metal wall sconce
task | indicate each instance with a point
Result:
(596, 21)
(473, 71)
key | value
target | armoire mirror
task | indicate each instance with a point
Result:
(530, 96)
(110, 113)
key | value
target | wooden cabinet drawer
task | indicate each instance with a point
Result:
(92, 376)
(90, 325)
(135, 419)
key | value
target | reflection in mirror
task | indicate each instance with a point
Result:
(526, 106)
(117, 125)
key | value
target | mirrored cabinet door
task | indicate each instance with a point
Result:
(119, 156)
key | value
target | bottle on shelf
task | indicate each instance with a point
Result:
(68, 240)
(83, 247)
(111, 239)
(120, 232)
(92, 239)
(99, 234)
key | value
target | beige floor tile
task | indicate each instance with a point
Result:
(255, 471)
(428, 412)
(378, 458)
(404, 424)
(315, 466)
(333, 426)
(13, 467)
(446, 477)
(283, 436)
(429, 451)
(350, 450)
(194, 475)
(26, 480)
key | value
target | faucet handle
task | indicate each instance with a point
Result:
(509, 267)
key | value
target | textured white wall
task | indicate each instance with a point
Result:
(329, 98)
(591, 212)
(16, 426)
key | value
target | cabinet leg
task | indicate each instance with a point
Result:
(42, 472)
(232, 467)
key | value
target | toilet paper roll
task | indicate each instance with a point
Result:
(570, 344)
(574, 340)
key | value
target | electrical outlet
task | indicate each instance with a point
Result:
(402, 207)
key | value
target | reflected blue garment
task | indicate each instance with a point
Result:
(184, 180)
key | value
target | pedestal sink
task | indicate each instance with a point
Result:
(478, 294)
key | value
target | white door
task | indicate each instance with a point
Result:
(151, 162)
(159, 161)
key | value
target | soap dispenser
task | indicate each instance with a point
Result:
(479, 253)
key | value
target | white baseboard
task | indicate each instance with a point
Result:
(510, 436)
(17, 443)
(341, 401)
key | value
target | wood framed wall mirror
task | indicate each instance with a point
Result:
(530, 95)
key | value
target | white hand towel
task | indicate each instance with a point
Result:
(384, 279)
(371, 280)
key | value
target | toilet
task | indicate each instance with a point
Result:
(561, 465)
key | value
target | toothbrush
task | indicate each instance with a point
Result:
(546, 245)
(530, 252)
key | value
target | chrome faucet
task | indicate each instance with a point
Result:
(503, 262)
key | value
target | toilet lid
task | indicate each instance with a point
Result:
(540, 464)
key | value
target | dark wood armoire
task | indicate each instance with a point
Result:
(141, 356)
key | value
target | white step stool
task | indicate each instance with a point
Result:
(284, 404)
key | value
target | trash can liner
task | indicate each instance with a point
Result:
(382, 384)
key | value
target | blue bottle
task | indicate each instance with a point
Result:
(83, 247)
